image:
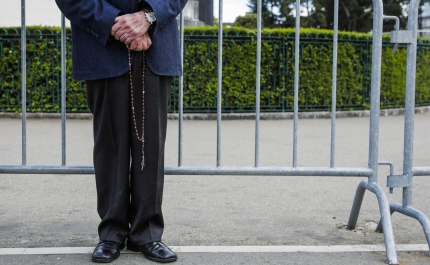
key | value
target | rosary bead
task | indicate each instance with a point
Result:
(143, 105)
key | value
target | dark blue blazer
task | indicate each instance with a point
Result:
(97, 55)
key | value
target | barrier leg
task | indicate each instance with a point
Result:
(411, 212)
(379, 228)
(384, 208)
(356, 206)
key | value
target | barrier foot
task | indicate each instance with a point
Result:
(384, 208)
(413, 213)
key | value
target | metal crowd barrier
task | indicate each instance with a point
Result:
(405, 181)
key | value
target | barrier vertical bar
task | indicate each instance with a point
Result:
(334, 84)
(63, 90)
(296, 82)
(219, 102)
(257, 84)
(375, 89)
(408, 151)
(23, 83)
(181, 91)
(373, 163)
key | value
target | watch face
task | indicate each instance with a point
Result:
(150, 16)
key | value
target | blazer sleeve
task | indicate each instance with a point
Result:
(94, 16)
(165, 11)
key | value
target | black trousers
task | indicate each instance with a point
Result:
(129, 203)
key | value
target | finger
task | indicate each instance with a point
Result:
(143, 40)
(119, 34)
(124, 32)
(132, 34)
(128, 39)
(133, 45)
(142, 43)
(145, 45)
(122, 38)
(148, 41)
(115, 27)
(136, 30)
(140, 47)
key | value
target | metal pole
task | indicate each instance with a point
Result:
(219, 103)
(384, 209)
(257, 87)
(296, 82)
(375, 88)
(421, 171)
(334, 84)
(410, 101)
(63, 89)
(181, 92)
(420, 216)
(203, 170)
(23, 83)
(356, 206)
(371, 184)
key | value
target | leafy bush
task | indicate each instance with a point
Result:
(239, 71)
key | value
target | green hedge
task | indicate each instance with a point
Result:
(239, 71)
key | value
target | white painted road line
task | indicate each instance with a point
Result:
(223, 249)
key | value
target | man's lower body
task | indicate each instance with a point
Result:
(129, 203)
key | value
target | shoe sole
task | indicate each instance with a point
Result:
(103, 260)
(160, 260)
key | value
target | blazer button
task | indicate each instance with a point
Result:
(97, 35)
(88, 30)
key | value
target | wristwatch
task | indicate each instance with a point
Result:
(150, 16)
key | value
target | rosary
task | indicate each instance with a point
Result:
(141, 139)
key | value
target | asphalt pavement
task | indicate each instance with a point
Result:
(52, 211)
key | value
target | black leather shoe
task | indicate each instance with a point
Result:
(155, 251)
(106, 251)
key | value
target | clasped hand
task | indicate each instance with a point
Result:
(132, 30)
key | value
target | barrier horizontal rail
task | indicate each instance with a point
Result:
(421, 171)
(189, 170)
